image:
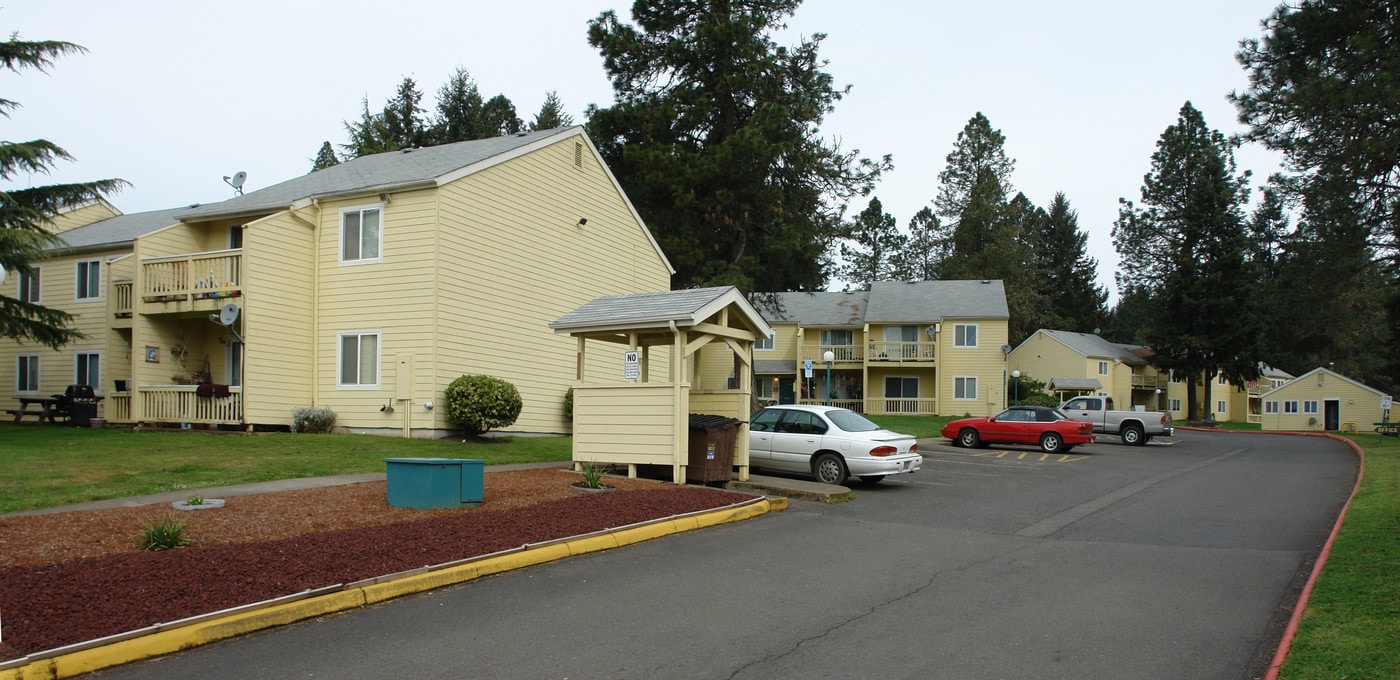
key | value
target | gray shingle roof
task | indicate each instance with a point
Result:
(118, 231)
(893, 302)
(651, 310)
(1091, 345)
(386, 171)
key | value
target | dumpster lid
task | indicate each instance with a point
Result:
(711, 422)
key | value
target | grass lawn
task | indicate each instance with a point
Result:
(920, 427)
(1351, 627)
(43, 466)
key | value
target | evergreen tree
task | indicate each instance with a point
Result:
(325, 158)
(871, 244)
(1186, 247)
(26, 213)
(498, 117)
(459, 110)
(714, 134)
(978, 160)
(368, 135)
(1069, 277)
(924, 251)
(400, 125)
(551, 114)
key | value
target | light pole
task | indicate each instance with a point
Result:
(828, 356)
(1016, 386)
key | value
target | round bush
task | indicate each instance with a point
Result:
(478, 403)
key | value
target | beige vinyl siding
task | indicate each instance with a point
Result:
(512, 258)
(1357, 403)
(784, 344)
(277, 318)
(629, 424)
(1045, 358)
(985, 362)
(79, 217)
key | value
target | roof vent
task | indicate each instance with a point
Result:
(408, 150)
(522, 133)
(986, 280)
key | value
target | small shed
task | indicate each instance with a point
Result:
(639, 412)
(1322, 400)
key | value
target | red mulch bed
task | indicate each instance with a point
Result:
(48, 606)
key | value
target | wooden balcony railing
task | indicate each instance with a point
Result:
(121, 298)
(882, 406)
(180, 404)
(881, 351)
(118, 407)
(197, 275)
(844, 354)
(1149, 382)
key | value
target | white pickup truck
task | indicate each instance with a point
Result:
(1135, 428)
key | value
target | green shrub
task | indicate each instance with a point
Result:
(165, 533)
(478, 403)
(569, 404)
(313, 419)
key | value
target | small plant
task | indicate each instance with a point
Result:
(313, 419)
(195, 499)
(593, 475)
(164, 533)
(478, 403)
(569, 404)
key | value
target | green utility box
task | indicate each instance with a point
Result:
(433, 483)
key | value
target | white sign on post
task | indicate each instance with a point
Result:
(808, 368)
(631, 365)
(1385, 403)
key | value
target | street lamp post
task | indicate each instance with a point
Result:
(828, 356)
(1016, 386)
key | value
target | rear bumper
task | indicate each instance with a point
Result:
(890, 465)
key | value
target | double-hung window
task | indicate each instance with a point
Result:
(1271, 406)
(359, 359)
(965, 388)
(1310, 406)
(1176, 404)
(27, 374)
(29, 287)
(87, 369)
(1290, 407)
(361, 239)
(965, 335)
(1103, 368)
(89, 280)
(1220, 406)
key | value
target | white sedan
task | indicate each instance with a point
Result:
(828, 442)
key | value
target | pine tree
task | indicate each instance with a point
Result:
(714, 134)
(551, 114)
(871, 244)
(498, 117)
(26, 213)
(325, 158)
(400, 125)
(924, 251)
(1069, 277)
(459, 115)
(1186, 247)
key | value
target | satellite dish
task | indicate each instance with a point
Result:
(929, 332)
(237, 181)
(228, 314)
(1006, 349)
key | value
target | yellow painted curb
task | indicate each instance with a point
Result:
(171, 640)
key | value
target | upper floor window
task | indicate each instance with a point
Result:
(361, 238)
(235, 236)
(359, 359)
(27, 372)
(837, 337)
(29, 287)
(965, 335)
(763, 343)
(89, 280)
(87, 369)
(1221, 380)
(1103, 368)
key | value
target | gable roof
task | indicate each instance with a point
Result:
(639, 311)
(115, 232)
(389, 171)
(1094, 346)
(892, 302)
(1301, 382)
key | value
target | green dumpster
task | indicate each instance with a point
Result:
(433, 483)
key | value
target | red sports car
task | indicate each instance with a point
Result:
(1047, 427)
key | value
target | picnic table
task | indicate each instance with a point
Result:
(47, 409)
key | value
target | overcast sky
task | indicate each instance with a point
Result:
(172, 96)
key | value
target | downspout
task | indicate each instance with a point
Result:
(316, 303)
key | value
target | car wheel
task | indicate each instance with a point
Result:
(829, 469)
(1051, 442)
(871, 479)
(1132, 435)
(968, 438)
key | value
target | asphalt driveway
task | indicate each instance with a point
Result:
(1173, 561)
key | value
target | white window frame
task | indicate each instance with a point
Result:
(360, 211)
(83, 363)
(340, 339)
(763, 344)
(1175, 404)
(1271, 407)
(30, 289)
(1221, 406)
(1103, 368)
(1290, 406)
(25, 366)
(94, 280)
(1221, 380)
(1310, 406)
(960, 334)
(960, 385)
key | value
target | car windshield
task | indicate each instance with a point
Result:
(851, 421)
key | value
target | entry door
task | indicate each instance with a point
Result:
(1332, 415)
(786, 393)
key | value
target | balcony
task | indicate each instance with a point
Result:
(845, 354)
(1149, 382)
(121, 298)
(901, 352)
(195, 276)
(182, 404)
(882, 406)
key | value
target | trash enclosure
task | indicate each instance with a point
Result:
(637, 411)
